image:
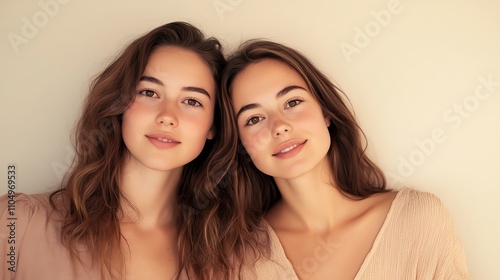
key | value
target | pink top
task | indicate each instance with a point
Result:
(34, 234)
(416, 241)
(39, 253)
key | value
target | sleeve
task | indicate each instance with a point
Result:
(453, 263)
(16, 211)
(442, 252)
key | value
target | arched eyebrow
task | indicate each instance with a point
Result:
(190, 88)
(197, 89)
(286, 90)
(280, 94)
(151, 80)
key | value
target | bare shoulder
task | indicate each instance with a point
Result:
(378, 204)
(407, 198)
(381, 199)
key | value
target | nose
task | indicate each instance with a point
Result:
(280, 127)
(167, 116)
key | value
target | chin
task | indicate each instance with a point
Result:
(164, 166)
(289, 174)
(168, 169)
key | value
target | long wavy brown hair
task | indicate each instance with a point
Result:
(89, 198)
(353, 173)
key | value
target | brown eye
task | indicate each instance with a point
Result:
(192, 102)
(292, 103)
(253, 120)
(148, 93)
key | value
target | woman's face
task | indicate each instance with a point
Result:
(171, 117)
(280, 124)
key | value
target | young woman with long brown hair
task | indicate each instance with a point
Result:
(143, 198)
(317, 206)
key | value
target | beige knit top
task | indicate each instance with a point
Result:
(416, 241)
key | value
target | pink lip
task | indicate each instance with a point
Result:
(293, 144)
(163, 140)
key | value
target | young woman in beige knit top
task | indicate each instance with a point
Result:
(316, 205)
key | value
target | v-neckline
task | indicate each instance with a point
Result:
(281, 251)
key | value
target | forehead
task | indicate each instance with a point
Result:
(174, 53)
(174, 59)
(268, 75)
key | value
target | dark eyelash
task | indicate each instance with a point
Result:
(297, 100)
(197, 101)
(142, 91)
(248, 120)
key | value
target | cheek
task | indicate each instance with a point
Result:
(308, 115)
(134, 118)
(198, 124)
(256, 141)
(206, 119)
(127, 131)
(130, 115)
(137, 111)
(312, 119)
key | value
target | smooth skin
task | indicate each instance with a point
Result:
(284, 131)
(165, 128)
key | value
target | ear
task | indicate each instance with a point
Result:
(210, 134)
(327, 122)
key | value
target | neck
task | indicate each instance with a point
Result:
(311, 201)
(152, 194)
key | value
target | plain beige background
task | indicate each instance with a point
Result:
(423, 77)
